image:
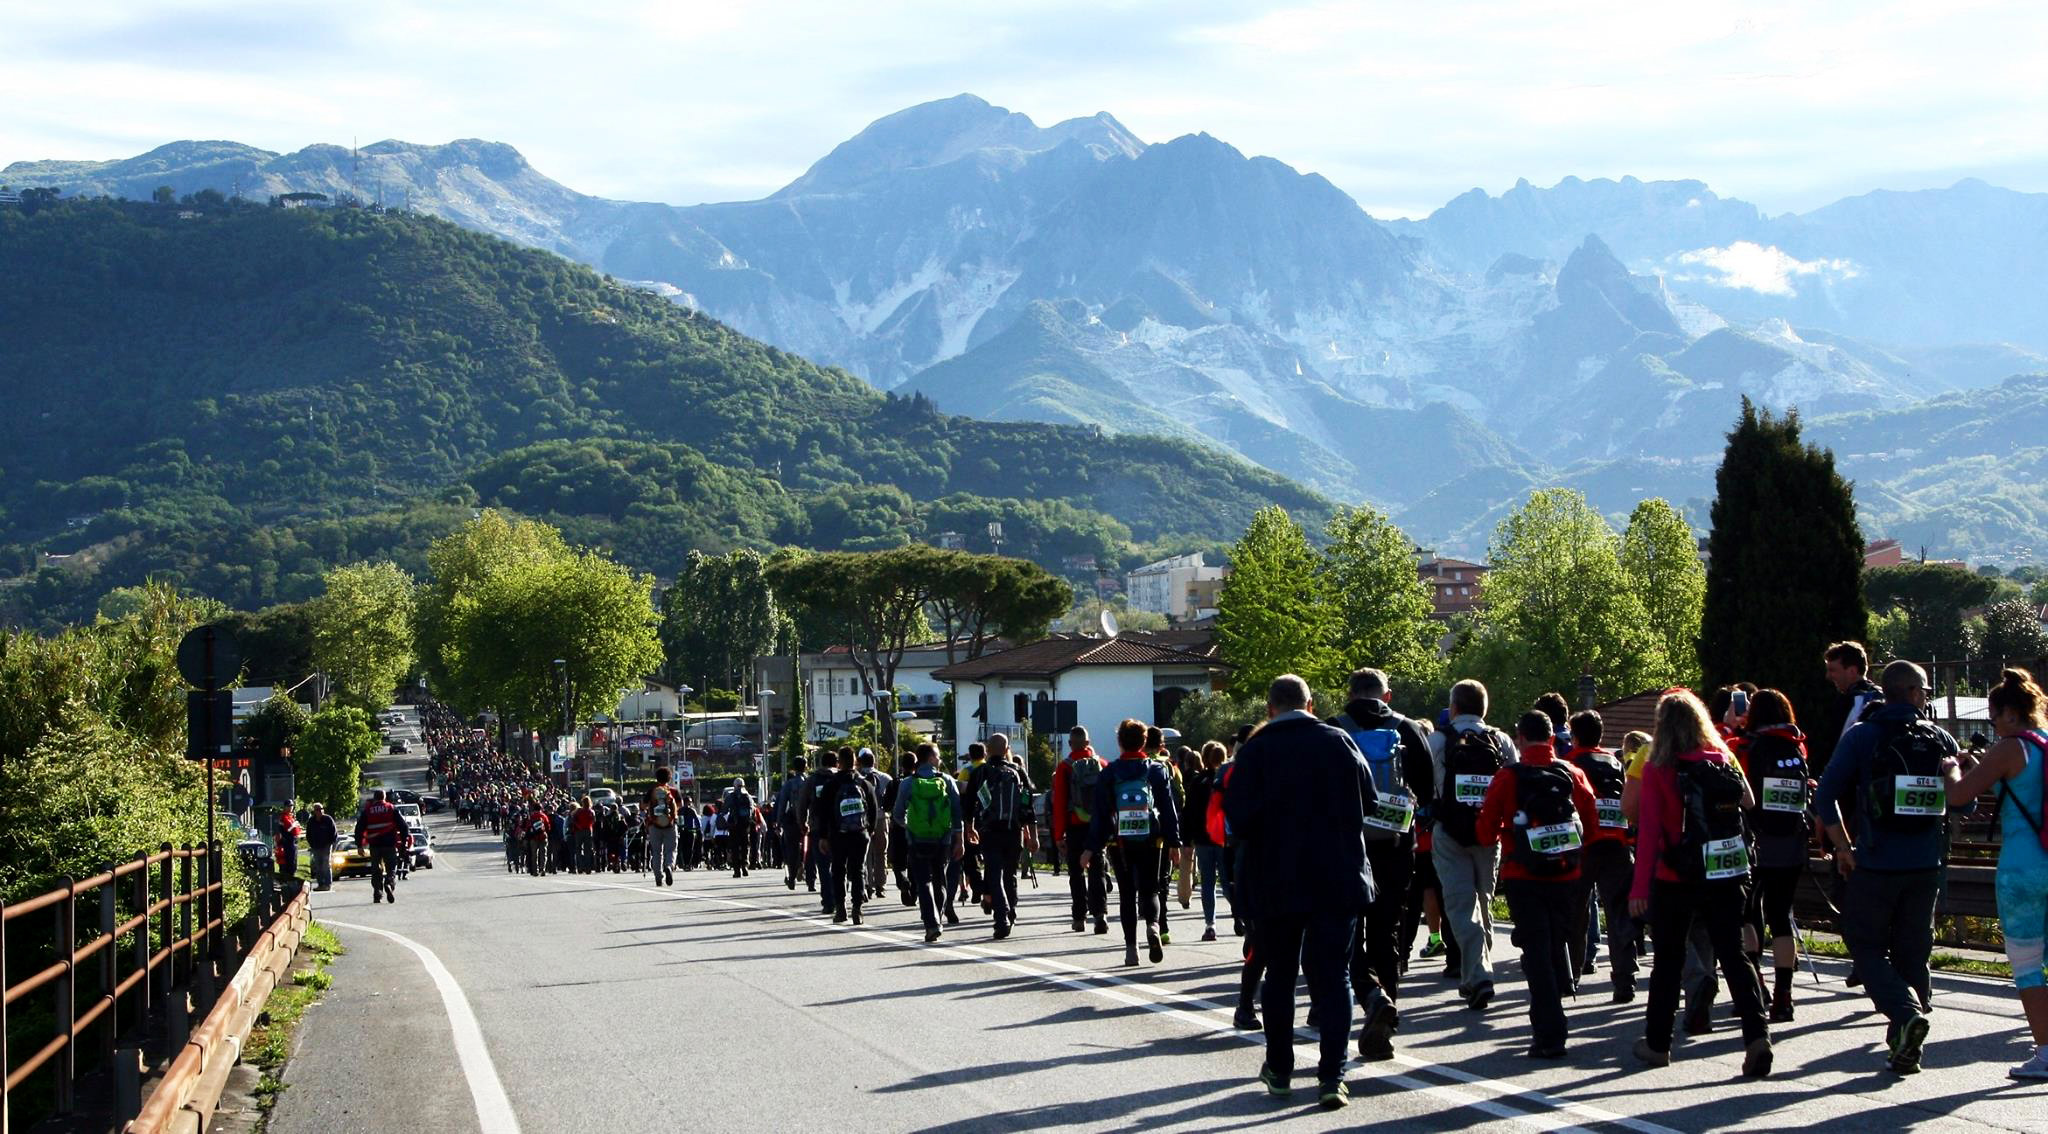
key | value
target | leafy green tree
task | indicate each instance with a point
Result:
(1784, 563)
(274, 727)
(1558, 605)
(1274, 615)
(1660, 558)
(793, 737)
(719, 616)
(2012, 632)
(333, 751)
(1382, 605)
(164, 195)
(1933, 597)
(459, 564)
(363, 631)
(1215, 715)
(877, 601)
(978, 598)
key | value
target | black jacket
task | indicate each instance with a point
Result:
(1298, 802)
(843, 786)
(321, 831)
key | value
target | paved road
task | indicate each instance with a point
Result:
(604, 1003)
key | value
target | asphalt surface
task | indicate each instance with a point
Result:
(605, 1003)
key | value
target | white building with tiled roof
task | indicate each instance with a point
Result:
(1050, 685)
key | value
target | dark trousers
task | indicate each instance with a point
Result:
(1253, 970)
(1090, 897)
(845, 878)
(383, 866)
(1375, 949)
(1316, 947)
(899, 854)
(1136, 864)
(1000, 850)
(1606, 871)
(1888, 925)
(927, 875)
(1718, 906)
(795, 862)
(1543, 925)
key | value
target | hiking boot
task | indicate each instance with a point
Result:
(1130, 956)
(1247, 1020)
(1152, 941)
(1651, 1055)
(931, 934)
(1080, 923)
(1276, 1083)
(838, 917)
(1209, 934)
(1905, 1042)
(856, 917)
(1236, 928)
(1781, 1010)
(952, 918)
(1480, 997)
(376, 896)
(1756, 1058)
(1699, 1019)
(1101, 926)
(1624, 991)
(1375, 1049)
(1376, 1035)
(1535, 1051)
(1333, 1095)
(1002, 931)
(1855, 977)
(789, 882)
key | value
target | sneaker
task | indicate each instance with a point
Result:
(1276, 1083)
(1906, 1040)
(1236, 927)
(1209, 934)
(856, 917)
(1756, 1058)
(390, 891)
(1480, 997)
(838, 917)
(952, 918)
(1130, 956)
(1652, 1056)
(1434, 947)
(1165, 938)
(2035, 1068)
(1152, 949)
(931, 934)
(1247, 1020)
(1002, 931)
(1333, 1095)
(1376, 1035)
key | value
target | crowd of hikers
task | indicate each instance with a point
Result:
(1336, 839)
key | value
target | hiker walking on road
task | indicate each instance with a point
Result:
(661, 810)
(1073, 802)
(850, 802)
(1466, 755)
(321, 835)
(928, 811)
(1135, 821)
(789, 820)
(1298, 797)
(381, 829)
(998, 803)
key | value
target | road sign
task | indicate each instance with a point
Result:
(208, 657)
(209, 724)
(569, 747)
(686, 772)
(556, 762)
(760, 765)
(640, 742)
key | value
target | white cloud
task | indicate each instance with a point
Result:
(1767, 269)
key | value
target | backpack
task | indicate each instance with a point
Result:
(1136, 817)
(661, 808)
(997, 799)
(928, 817)
(1780, 785)
(853, 809)
(739, 812)
(1607, 778)
(1217, 824)
(1081, 777)
(1394, 812)
(1713, 833)
(2039, 823)
(1548, 831)
(1907, 794)
(1470, 762)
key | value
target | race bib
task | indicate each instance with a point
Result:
(1470, 789)
(1610, 813)
(1557, 838)
(851, 805)
(1784, 795)
(1919, 795)
(1394, 813)
(1133, 823)
(1726, 858)
(661, 811)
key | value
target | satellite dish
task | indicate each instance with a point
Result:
(1108, 624)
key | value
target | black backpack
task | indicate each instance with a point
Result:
(1548, 831)
(1607, 778)
(1907, 794)
(1713, 835)
(852, 806)
(1778, 775)
(997, 799)
(1471, 760)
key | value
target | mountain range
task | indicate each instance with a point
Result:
(1595, 332)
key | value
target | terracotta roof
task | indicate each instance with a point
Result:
(1057, 655)
(1636, 713)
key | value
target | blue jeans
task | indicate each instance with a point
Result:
(1208, 864)
(1317, 946)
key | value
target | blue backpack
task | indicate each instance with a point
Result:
(1136, 817)
(1394, 815)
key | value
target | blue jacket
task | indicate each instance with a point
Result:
(1846, 782)
(1298, 800)
(1102, 822)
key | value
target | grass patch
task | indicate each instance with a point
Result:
(1938, 961)
(270, 1042)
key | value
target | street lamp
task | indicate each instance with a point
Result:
(761, 726)
(562, 676)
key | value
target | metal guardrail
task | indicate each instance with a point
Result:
(174, 918)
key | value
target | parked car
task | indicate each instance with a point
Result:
(403, 795)
(432, 804)
(599, 796)
(401, 748)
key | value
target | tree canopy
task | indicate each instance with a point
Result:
(363, 632)
(1273, 614)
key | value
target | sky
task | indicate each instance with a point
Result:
(1404, 106)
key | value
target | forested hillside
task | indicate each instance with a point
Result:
(239, 396)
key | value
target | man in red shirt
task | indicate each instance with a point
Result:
(582, 837)
(1541, 808)
(1071, 803)
(381, 829)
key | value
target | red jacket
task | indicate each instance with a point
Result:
(1497, 811)
(1658, 823)
(583, 820)
(1062, 778)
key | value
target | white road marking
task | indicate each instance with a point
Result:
(1092, 981)
(486, 1090)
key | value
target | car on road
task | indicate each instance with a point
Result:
(401, 748)
(346, 858)
(432, 804)
(599, 796)
(403, 795)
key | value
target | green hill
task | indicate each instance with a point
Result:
(244, 396)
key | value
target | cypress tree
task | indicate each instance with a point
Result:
(1785, 563)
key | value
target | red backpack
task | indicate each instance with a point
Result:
(1218, 827)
